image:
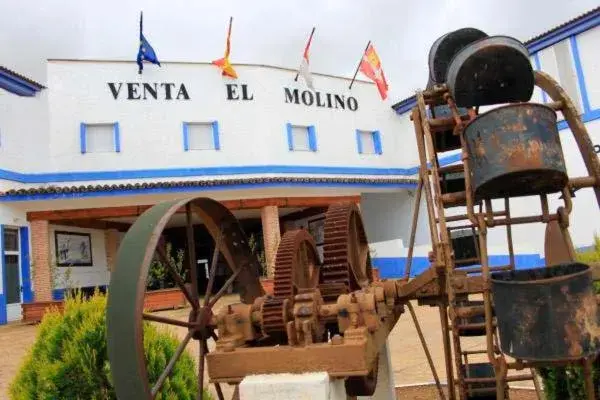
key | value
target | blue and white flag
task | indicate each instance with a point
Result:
(145, 52)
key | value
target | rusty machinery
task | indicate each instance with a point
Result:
(330, 315)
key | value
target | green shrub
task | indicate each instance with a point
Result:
(567, 382)
(68, 359)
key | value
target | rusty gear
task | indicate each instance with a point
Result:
(296, 267)
(346, 259)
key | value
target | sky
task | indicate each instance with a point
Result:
(271, 32)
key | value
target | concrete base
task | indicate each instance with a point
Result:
(314, 386)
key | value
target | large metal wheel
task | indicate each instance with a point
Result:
(125, 314)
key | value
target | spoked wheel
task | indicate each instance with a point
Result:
(125, 314)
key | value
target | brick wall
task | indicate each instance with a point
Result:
(271, 235)
(40, 248)
(111, 244)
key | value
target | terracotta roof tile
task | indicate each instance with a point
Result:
(199, 183)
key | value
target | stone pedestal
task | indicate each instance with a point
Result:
(314, 386)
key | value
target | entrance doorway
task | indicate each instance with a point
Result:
(12, 275)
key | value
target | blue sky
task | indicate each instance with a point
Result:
(265, 31)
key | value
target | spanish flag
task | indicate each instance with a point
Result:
(224, 63)
(370, 65)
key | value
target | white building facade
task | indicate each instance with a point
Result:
(85, 155)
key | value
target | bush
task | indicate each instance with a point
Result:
(568, 382)
(69, 358)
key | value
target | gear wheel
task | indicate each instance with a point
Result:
(346, 259)
(296, 268)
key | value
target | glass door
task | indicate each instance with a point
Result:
(12, 274)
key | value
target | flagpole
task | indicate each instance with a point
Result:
(358, 66)
(308, 44)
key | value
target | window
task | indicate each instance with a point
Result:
(301, 138)
(201, 136)
(100, 138)
(368, 142)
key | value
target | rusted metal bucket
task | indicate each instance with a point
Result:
(492, 70)
(445, 47)
(515, 150)
(548, 313)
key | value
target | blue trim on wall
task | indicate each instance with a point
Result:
(560, 34)
(215, 129)
(395, 267)
(312, 138)
(117, 133)
(3, 310)
(27, 294)
(3, 304)
(290, 136)
(183, 189)
(359, 147)
(377, 142)
(17, 85)
(82, 141)
(580, 78)
(186, 136)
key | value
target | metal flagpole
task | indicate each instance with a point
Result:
(358, 66)
(308, 44)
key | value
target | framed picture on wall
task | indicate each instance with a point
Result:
(316, 228)
(73, 249)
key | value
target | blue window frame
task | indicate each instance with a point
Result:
(99, 137)
(301, 137)
(368, 142)
(201, 136)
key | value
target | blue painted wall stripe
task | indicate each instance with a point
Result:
(25, 264)
(377, 142)
(186, 137)
(290, 136)
(117, 137)
(564, 32)
(359, 147)
(215, 129)
(312, 138)
(580, 78)
(3, 310)
(82, 137)
(395, 267)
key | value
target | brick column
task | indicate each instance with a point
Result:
(111, 244)
(40, 247)
(271, 235)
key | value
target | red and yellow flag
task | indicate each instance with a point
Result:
(370, 65)
(224, 63)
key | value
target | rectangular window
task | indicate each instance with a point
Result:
(201, 136)
(368, 142)
(100, 137)
(301, 138)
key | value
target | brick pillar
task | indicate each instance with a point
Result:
(271, 235)
(111, 244)
(40, 247)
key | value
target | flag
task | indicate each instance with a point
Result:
(370, 65)
(145, 52)
(224, 63)
(303, 70)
